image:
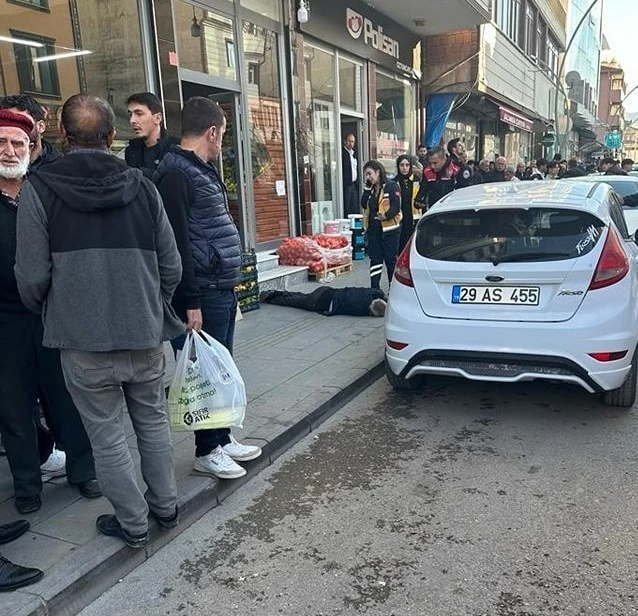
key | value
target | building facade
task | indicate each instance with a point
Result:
(582, 77)
(611, 109)
(504, 75)
(292, 89)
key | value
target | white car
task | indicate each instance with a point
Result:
(624, 185)
(515, 281)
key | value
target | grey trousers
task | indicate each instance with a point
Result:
(103, 386)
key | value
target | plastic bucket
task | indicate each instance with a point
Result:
(331, 227)
(348, 235)
(356, 221)
(344, 225)
(358, 240)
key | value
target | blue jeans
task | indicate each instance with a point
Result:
(219, 308)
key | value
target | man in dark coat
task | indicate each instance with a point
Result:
(350, 174)
(27, 367)
(353, 301)
(498, 173)
(573, 170)
(97, 262)
(208, 241)
(152, 142)
(456, 151)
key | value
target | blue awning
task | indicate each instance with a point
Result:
(437, 112)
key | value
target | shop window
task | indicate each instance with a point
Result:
(350, 84)
(36, 66)
(205, 41)
(97, 49)
(267, 8)
(395, 102)
(253, 73)
(321, 135)
(230, 53)
(507, 16)
(265, 119)
(552, 55)
(530, 30)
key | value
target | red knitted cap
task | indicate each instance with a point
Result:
(12, 119)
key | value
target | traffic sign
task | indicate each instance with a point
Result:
(548, 140)
(613, 140)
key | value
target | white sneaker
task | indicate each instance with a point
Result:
(218, 464)
(55, 465)
(239, 452)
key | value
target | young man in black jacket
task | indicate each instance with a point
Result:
(208, 242)
(152, 142)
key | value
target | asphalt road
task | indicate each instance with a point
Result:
(462, 499)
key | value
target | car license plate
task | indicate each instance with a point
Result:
(509, 296)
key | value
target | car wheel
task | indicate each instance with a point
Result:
(625, 395)
(398, 382)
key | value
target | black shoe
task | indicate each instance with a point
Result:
(28, 504)
(109, 526)
(14, 576)
(89, 489)
(13, 530)
(166, 522)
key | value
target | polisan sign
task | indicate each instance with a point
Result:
(360, 27)
(354, 26)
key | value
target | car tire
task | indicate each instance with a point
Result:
(625, 395)
(398, 382)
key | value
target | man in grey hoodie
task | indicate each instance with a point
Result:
(97, 256)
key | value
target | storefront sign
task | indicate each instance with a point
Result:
(356, 27)
(516, 119)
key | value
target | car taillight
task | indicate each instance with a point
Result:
(613, 264)
(608, 356)
(402, 267)
(397, 346)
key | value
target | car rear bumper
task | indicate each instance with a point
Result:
(508, 351)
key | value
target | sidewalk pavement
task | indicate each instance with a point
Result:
(299, 368)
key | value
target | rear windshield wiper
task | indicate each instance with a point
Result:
(528, 256)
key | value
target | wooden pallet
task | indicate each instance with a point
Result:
(337, 270)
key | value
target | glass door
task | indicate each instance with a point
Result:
(231, 162)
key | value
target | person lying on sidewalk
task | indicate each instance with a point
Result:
(352, 301)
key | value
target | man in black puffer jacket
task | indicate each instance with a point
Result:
(208, 241)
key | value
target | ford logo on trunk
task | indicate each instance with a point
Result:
(494, 278)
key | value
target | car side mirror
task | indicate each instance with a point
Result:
(636, 236)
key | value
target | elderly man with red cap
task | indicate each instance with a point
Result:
(14, 162)
(25, 364)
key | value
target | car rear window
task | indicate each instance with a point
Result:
(508, 234)
(623, 188)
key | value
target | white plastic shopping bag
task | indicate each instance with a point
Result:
(207, 390)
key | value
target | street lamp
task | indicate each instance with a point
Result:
(562, 67)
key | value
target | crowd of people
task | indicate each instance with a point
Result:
(104, 258)
(392, 206)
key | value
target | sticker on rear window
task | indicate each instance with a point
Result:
(592, 236)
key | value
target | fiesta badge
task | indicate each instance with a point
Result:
(354, 23)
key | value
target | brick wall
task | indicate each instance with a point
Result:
(443, 52)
